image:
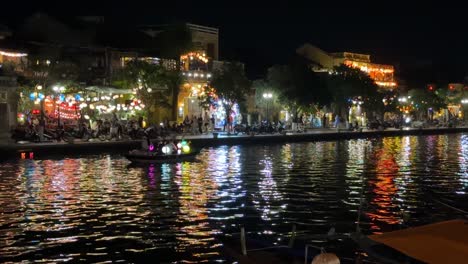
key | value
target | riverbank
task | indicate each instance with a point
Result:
(39, 150)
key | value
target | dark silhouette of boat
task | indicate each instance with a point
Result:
(144, 156)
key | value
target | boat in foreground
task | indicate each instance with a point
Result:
(442, 242)
(162, 152)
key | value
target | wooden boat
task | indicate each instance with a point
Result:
(442, 242)
(144, 156)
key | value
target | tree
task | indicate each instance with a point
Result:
(298, 87)
(262, 87)
(47, 68)
(347, 83)
(423, 100)
(174, 41)
(150, 81)
(229, 87)
(389, 100)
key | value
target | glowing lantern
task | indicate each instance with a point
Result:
(166, 150)
(186, 148)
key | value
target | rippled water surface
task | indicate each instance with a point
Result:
(98, 208)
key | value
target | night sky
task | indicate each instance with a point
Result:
(426, 42)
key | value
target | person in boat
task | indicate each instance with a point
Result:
(171, 148)
(146, 141)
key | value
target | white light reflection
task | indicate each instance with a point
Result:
(463, 161)
(196, 189)
(225, 169)
(269, 200)
(403, 152)
(354, 172)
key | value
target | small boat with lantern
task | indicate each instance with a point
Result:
(164, 152)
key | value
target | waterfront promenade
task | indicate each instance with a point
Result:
(206, 140)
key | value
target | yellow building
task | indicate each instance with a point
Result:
(382, 74)
(195, 69)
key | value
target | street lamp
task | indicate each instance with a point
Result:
(267, 97)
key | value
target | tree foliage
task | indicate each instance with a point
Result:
(273, 104)
(347, 83)
(174, 41)
(149, 80)
(297, 86)
(48, 68)
(422, 100)
(230, 85)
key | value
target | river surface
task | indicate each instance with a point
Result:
(99, 208)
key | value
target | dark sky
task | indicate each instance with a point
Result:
(427, 42)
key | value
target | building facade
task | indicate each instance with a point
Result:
(206, 39)
(8, 107)
(321, 61)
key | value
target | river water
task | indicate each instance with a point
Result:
(100, 208)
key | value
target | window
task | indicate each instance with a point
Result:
(210, 51)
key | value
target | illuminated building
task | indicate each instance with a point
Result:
(197, 74)
(321, 61)
(11, 62)
(456, 92)
(196, 65)
(204, 38)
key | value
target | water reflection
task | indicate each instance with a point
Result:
(195, 191)
(99, 208)
(463, 161)
(268, 199)
(382, 187)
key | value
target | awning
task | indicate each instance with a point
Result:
(444, 242)
(107, 89)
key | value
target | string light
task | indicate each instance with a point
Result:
(197, 75)
(193, 55)
(386, 83)
(13, 54)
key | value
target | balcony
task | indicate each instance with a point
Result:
(7, 81)
(197, 76)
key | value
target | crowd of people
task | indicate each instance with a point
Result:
(42, 128)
